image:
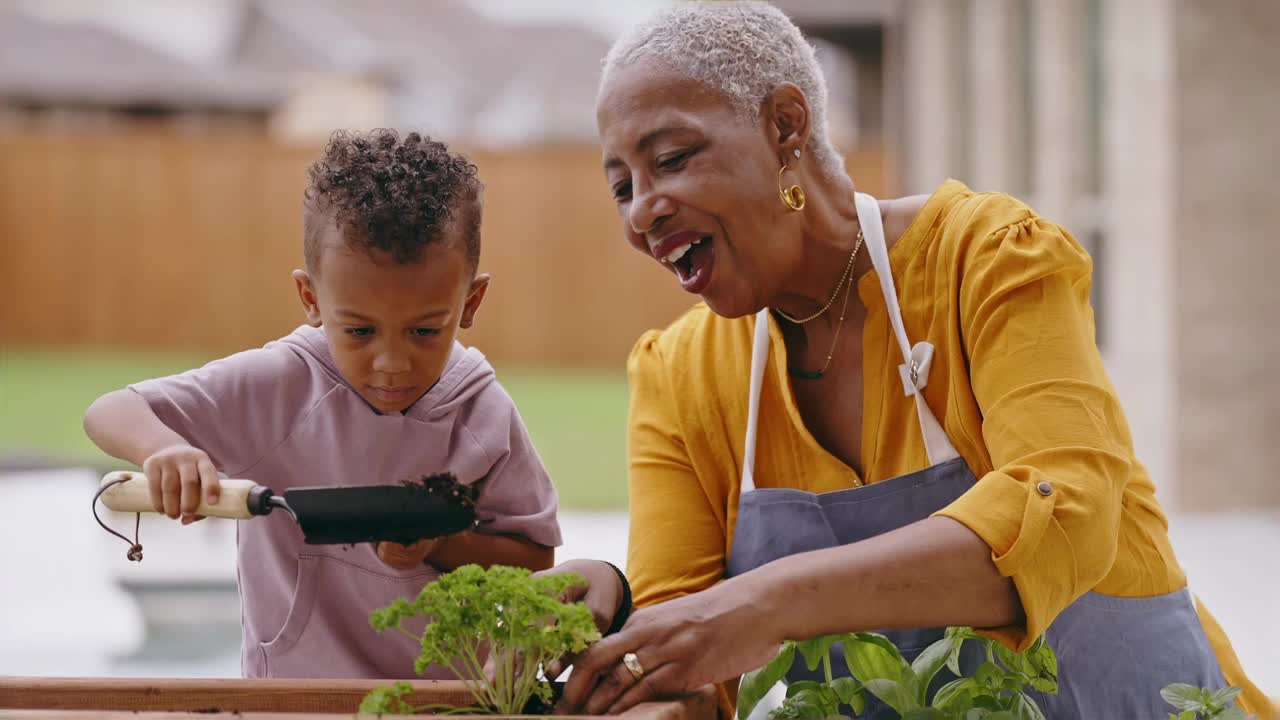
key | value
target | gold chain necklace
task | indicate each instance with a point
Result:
(814, 375)
(848, 269)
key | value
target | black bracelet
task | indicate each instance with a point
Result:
(624, 609)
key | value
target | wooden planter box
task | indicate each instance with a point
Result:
(169, 699)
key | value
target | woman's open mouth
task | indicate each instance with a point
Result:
(692, 257)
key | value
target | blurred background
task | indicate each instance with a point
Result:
(151, 170)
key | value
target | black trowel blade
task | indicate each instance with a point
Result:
(369, 513)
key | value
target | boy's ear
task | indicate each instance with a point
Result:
(307, 294)
(475, 296)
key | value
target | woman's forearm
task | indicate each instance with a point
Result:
(933, 573)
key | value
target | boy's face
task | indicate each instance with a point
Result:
(390, 326)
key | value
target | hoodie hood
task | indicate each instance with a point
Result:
(466, 373)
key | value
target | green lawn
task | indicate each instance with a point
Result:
(576, 418)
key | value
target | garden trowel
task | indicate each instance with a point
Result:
(431, 507)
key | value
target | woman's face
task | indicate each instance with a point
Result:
(696, 185)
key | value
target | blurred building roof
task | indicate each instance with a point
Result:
(843, 12)
(81, 63)
(443, 66)
(439, 66)
(448, 67)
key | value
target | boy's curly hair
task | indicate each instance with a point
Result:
(392, 194)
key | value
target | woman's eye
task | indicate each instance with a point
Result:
(673, 161)
(622, 190)
(360, 331)
(426, 332)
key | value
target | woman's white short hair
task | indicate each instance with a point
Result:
(744, 50)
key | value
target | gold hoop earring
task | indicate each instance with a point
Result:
(792, 197)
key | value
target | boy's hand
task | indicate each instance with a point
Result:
(177, 477)
(405, 557)
(602, 592)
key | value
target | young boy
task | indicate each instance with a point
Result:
(373, 389)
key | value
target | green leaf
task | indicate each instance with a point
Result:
(387, 700)
(958, 636)
(1014, 682)
(794, 708)
(987, 701)
(928, 663)
(878, 640)
(823, 698)
(1225, 695)
(871, 656)
(1043, 660)
(1024, 708)
(815, 702)
(1045, 685)
(503, 609)
(800, 686)
(1183, 696)
(988, 675)
(953, 659)
(850, 692)
(953, 695)
(1036, 651)
(757, 683)
(814, 650)
(1015, 662)
(925, 714)
(893, 694)
(1233, 713)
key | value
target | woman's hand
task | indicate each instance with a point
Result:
(933, 573)
(681, 645)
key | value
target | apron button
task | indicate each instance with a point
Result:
(1045, 489)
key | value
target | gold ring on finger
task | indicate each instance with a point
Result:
(632, 664)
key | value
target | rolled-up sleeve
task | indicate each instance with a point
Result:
(1052, 422)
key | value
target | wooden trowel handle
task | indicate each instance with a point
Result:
(133, 495)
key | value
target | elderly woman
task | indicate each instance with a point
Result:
(885, 415)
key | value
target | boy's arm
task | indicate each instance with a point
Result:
(516, 512)
(182, 429)
(486, 550)
(123, 425)
(516, 507)
(236, 408)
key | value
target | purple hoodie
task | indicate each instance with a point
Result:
(283, 416)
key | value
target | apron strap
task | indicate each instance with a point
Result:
(917, 360)
(914, 370)
(759, 358)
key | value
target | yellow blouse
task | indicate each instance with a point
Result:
(1017, 382)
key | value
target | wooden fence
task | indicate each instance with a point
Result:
(148, 239)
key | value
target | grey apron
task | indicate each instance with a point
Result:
(1114, 654)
